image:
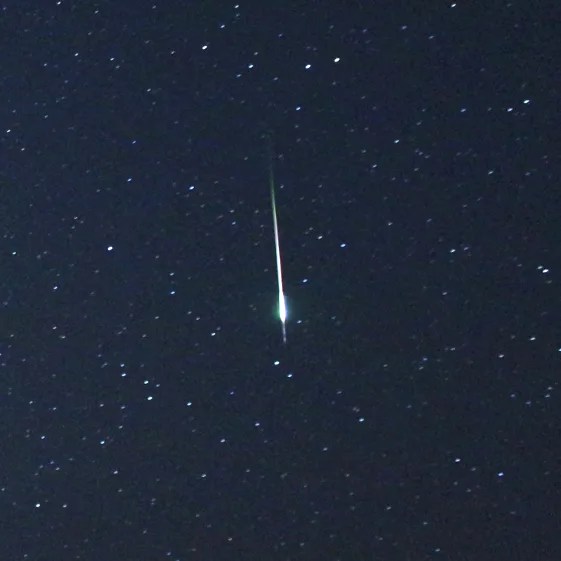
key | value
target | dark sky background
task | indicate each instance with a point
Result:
(148, 408)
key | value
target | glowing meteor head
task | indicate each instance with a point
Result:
(282, 307)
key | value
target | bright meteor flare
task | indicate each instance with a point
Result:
(282, 302)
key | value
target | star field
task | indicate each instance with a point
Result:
(148, 407)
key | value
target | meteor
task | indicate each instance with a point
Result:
(282, 302)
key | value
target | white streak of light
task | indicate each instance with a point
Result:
(282, 302)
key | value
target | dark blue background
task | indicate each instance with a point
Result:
(148, 409)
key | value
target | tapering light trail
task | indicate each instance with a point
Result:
(282, 302)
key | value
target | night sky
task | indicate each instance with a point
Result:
(149, 410)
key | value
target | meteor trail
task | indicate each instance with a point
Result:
(282, 302)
